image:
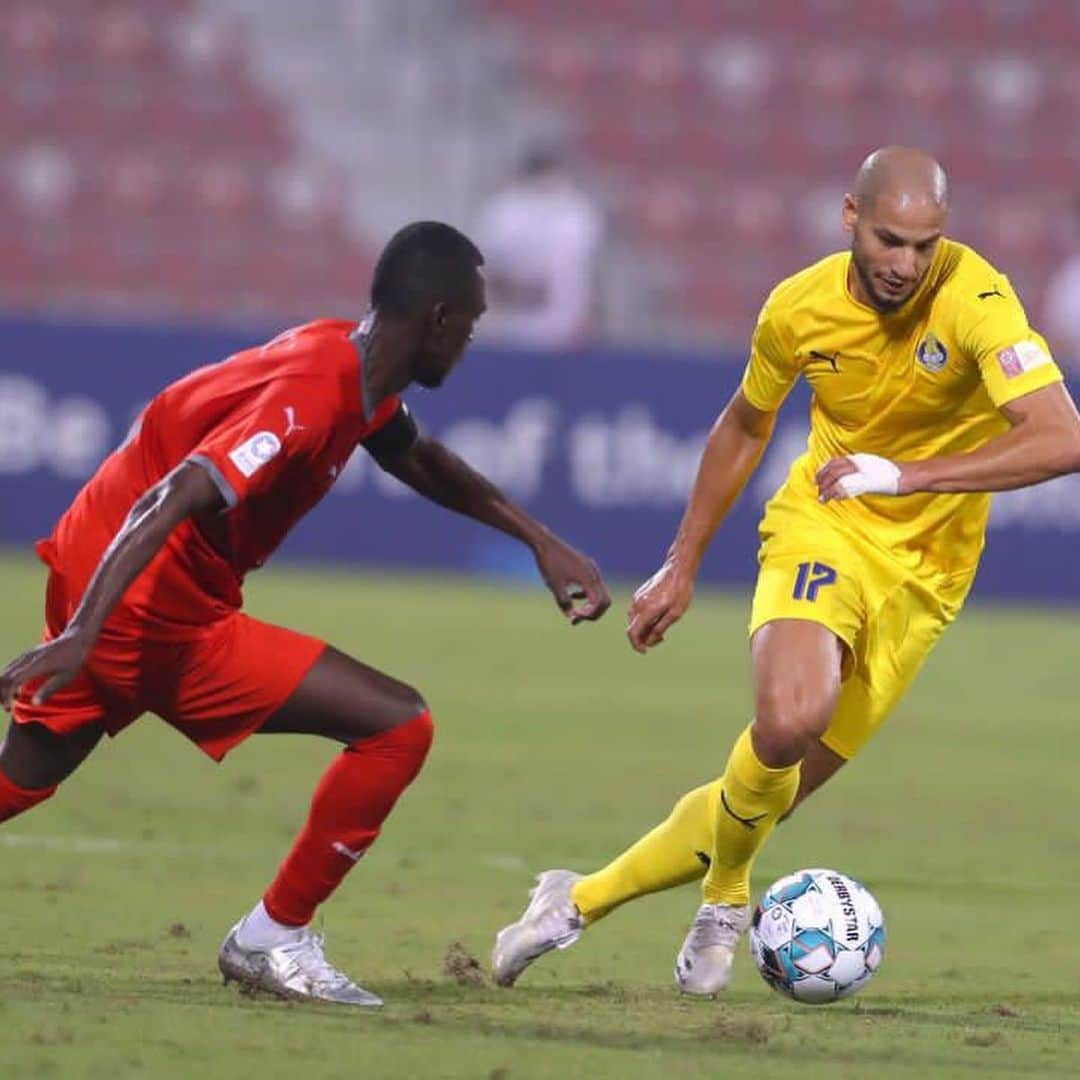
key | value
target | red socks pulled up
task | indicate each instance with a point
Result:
(14, 799)
(353, 798)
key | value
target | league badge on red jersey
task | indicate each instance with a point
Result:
(252, 455)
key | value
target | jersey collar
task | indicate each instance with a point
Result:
(366, 412)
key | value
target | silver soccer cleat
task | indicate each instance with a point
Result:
(297, 970)
(551, 921)
(703, 966)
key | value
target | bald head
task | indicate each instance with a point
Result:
(907, 177)
(896, 214)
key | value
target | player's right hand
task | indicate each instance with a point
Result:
(574, 580)
(57, 662)
(658, 605)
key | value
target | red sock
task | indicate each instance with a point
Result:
(14, 799)
(351, 802)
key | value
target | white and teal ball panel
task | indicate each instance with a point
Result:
(817, 936)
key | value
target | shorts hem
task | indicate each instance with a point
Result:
(216, 747)
(756, 625)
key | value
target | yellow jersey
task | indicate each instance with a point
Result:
(923, 381)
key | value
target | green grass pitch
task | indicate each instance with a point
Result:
(555, 747)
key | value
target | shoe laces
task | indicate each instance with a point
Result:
(561, 921)
(558, 919)
(307, 957)
(717, 925)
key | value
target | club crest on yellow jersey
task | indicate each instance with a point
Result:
(932, 354)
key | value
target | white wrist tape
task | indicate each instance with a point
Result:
(876, 476)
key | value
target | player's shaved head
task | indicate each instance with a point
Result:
(425, 264)
(896, 213)
(903, 174)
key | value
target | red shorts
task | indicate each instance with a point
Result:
(217, 687)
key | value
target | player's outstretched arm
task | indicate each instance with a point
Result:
(441, 476)
(187, 490)
(734, 447)
(1042, 442)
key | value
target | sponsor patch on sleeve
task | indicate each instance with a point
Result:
(1021, 357)
(252, 455)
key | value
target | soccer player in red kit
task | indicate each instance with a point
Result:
(146, 566)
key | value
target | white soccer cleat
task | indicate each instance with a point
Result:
(295, 969)
(551, 921)
(703, 966)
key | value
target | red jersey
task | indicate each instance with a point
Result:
(273, 425)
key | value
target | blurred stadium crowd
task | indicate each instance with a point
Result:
(241, 160)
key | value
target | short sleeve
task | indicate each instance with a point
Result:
(392, 431)
(246, 452)
(772, 370)
(1013, 359)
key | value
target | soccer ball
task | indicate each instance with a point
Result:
(817, 936)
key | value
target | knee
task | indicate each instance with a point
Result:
(397, 709)
(411, 711)
(408, 742)
(788, 719)
(413, 704)
(421, 733)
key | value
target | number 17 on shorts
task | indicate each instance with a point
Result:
(809, 578)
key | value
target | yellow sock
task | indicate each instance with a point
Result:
(675, 852)
(751, 799)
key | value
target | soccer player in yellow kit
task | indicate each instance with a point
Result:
(930, 390)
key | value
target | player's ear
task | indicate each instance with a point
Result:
(849, 214)
(439, 315)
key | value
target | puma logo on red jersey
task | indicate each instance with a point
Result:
(290, 420)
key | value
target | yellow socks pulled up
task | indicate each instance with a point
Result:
(718, 827)
(751, 800)
(675, 852)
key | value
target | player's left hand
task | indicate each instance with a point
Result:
(57, 661)
(574, 581)
(858, 474)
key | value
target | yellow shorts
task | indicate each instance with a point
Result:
(889, 619)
